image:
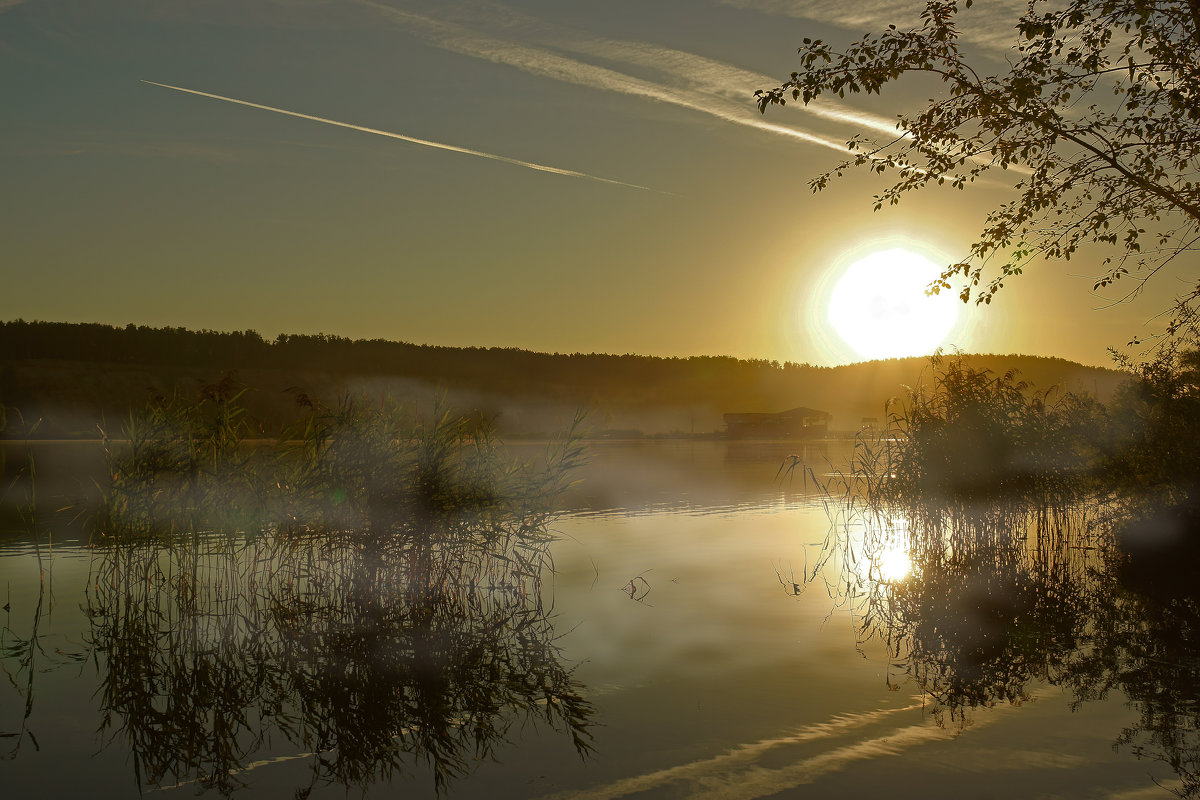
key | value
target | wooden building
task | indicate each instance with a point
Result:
(798, 423)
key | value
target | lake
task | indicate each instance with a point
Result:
(711, 629)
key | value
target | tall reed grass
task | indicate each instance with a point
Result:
(439, 491)
(1010, 510)
(971, 460)
(216, 659)
(368, 589)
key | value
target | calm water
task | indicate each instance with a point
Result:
(716, 654)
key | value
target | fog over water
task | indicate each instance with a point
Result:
(712, 624)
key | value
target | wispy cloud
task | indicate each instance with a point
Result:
(686, 80)
(266, 762)
(411, 139)
(680, 69)
(8, 5)
(721, 79)
(763, 782)
(991, 24)
(714, 99)
(1159, 791)
(698, 74)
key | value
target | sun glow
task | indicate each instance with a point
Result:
(880, 308)
(893, 565)
(879, 549)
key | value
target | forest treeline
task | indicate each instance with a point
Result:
(141, 344)
(74, 376)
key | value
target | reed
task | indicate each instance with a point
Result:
(184, 464)
(368, 589)
(1012, 514)
(971, 459)
(328, 654)
(438, 491)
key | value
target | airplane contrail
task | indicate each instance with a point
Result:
(570, 173)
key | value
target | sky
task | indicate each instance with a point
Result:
(562, 177)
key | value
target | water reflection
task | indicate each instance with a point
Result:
(26, 652)
(710, 684)
(985, 607)
(217, 659)
(694, 477)
(364, 595)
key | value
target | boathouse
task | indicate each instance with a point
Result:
(798, 423)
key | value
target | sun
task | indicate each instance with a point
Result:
(879, 306)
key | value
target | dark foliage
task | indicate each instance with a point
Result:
(1098, 112)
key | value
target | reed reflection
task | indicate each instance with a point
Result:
(1004, 598)
(392, 621)
(1037, 556)
(208, 656)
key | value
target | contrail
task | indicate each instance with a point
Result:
(548, 64)
(570, 173)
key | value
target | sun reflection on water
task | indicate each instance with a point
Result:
(892, 564)
(878, 551)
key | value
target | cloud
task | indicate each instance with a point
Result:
(1158, 791)
(990, 24)
(411, 139)
(725, 80)
(266, 762)
(764, 782)
(708, 76)
(713, 98)
(684, 79)
(684, 70)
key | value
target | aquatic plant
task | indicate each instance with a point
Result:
(327, 653)
(1036, 550)
(965, 438)
(979, 621)
(183, 464)
(440, 490)
(969, 436)
(368, 588)
(1156, 418)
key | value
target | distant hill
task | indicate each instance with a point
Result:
(77, 375)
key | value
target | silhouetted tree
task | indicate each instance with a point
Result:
(1099, 110)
